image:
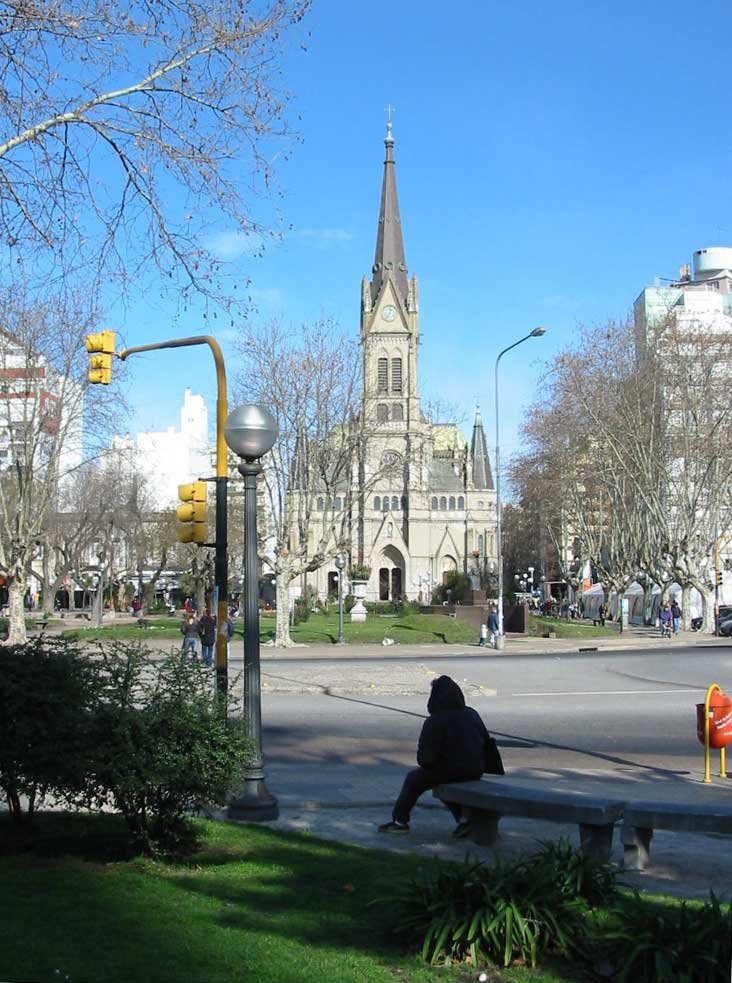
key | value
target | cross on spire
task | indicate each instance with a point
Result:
(389, 109)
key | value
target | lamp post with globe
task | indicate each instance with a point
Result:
(250, 432)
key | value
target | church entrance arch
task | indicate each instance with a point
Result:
(448, 564)
(391, 574)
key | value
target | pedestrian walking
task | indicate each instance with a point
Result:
(676, 617)
(207, 633)
(189, 631)
(666, 620)
(483, 634)
(493, 626)
(454, 746)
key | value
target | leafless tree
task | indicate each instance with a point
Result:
(133, 131)
(311, 383)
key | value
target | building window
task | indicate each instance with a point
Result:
(443, 503)
(461, 502)
(385, 504)
(404, 503)
(383, 375)
(396, 375)
(434, 502)
(337, 504)
(480, 545)
(394, 503)
(382, 412)
(452, 502)
(377, 504)
(320, 505)
(397, 412)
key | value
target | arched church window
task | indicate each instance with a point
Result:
(320, 505)
(461, 502)
(452, 502)
(329, 502)
(394, 503)
(443, 503)
(382, 412)
(385, 504)
(377, 503)
(337, 504)
(480, 545)
(434, 502)
(404, 503)
(382, 381)
(397, 412)
(396, 375)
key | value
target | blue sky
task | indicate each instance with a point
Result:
(552, 159)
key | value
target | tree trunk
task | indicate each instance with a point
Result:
(283, 579)
(686, 607)
(17, 634)
(648, 602)
(707, 598)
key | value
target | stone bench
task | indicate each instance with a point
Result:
(641, 819)
(486, 800)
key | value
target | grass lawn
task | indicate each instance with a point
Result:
(252, 905)
(319, 628)
(539, 625)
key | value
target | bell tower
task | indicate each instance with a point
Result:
(390, 320)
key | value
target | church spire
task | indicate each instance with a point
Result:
(482, 477)
(389, 257)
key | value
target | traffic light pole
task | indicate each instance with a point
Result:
(221, 568)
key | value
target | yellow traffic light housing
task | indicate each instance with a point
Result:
(192, 512)
(101, 349)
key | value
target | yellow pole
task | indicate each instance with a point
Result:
(222, 474)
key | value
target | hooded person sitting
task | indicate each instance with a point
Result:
(452, 747)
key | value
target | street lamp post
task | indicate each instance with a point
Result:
(250, 431)
(500, 638)
(340, 562)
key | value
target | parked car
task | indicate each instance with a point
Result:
(724, 627)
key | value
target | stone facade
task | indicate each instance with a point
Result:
(427, 504)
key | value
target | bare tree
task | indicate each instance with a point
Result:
(107, 107)
(42, 438)
(310, 382)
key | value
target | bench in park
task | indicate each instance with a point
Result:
(486, 800)
(640, 820)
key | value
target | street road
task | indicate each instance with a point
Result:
(352, 734)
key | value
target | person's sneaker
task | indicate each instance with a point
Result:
(461, 830)
(394, 827)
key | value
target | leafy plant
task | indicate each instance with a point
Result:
(302, 610)
(455, 588)
(359, 571)
(646, 940)
(576, 874)
(47, 690)
(162, 745)
(499, 913)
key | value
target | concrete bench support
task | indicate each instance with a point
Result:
(485, 801)
(640, 821)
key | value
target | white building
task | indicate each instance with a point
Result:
(171, 457)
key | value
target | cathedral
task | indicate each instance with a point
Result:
(427, 505)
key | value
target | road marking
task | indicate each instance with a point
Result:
(614, 692)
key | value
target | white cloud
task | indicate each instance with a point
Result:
(322, 235)
(230, 245)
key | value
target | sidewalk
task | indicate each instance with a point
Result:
(342, 804)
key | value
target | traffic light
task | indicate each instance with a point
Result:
(101, 348)
(720, 577)
(192, 513)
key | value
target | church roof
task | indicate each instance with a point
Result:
(482, 477)
(442, 476)
(389, 257)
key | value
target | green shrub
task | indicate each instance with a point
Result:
(456, 583)
(359, 571)
(381, 607)
(576, 874)
(348, 602)
(642, 939)
(47, 691)
(499, 913)
(302, 610)
(162, 745)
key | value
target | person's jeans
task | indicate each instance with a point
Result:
(417, 781)
(190, 647)
(207, 653)
(677, 625)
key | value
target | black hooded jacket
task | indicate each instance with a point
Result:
(453, 737)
